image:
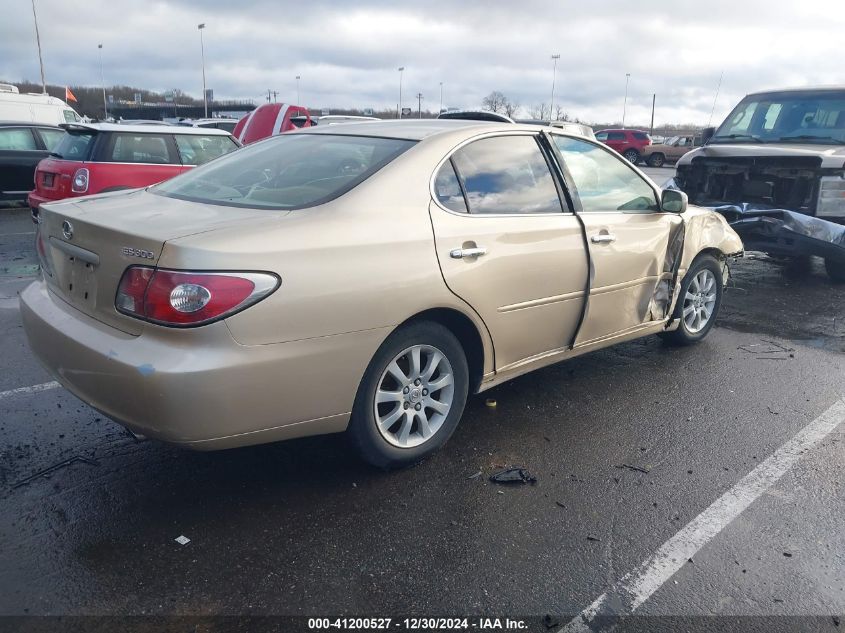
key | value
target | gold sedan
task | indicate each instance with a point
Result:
(362, 278)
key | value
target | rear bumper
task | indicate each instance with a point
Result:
(35, 200)
(198, 387)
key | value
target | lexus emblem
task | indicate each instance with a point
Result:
(67, 230)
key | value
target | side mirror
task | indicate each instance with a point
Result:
(673, 201)
(706, 134)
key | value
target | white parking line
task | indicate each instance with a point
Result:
(44, 386)
(639, 585)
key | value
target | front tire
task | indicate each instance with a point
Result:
(411, 397)
(698, 302)
(835, 270)
(632, 155)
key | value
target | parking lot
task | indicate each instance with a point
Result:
(670, 482)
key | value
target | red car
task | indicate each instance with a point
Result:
(271, 119)
(629, 143)
(101, 157)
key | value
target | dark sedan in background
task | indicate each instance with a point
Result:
(22, 146)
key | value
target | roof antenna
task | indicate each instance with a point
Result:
(722, 74)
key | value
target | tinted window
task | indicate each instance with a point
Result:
(605, 182)
(71, 116)
(74, 146)
(227, 125)
(50, 137)
(196, 149)
(139, 148)
(601, 136)
(17, 139)
(288, 171)
(641, 136)
(448, 190)
(507, 174)
(616, 136)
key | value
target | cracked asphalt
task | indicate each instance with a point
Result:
(302, 528)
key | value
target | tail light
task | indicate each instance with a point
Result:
(183, 298)
(80, 181)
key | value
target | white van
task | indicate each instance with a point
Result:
(34, 108)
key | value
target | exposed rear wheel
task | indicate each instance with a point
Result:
(412, 396)
(631, 155)
(698, 303)
(656, 160)
(835, 270)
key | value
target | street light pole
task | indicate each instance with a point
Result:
(38, 41)
(401, 69)
(441, 98)
(625, 103)
(103, 84)
(419, 105)
(555, 57)
(200, 27)
(298, 102)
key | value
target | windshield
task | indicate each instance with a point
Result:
(806, 117)
(289, 171)
(74, 146)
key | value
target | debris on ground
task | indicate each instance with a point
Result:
(590, 537)
(558, 503)
(515, 475)
(491, 403)
(475, 475)
(55, 467)
(639, 469)
(768, 350)
(788, 554)
(182, 539)
(550, 621)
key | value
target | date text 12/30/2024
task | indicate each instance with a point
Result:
(417, 624)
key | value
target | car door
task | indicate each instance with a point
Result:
(633, 245)
(20, 153)
(508, 246)
(680, 147)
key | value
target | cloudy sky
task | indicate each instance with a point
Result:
(348, 52)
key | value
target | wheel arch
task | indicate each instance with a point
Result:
(467, 333)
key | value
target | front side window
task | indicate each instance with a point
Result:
(605, 182)
(196, 149)
(287, 171)
(17, 139)
(601, 136)
(139, 148)
(507, 174)
(71, 116)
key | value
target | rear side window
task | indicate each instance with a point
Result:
(74, 146)
(288, 171)
(616, 136)
(448, 189)
(507, 174)
(641, 136)
(17, 139)
(50, 137)
(139, 148)
(196, 149)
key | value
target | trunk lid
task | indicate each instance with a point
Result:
(53, 178)
(89, 242)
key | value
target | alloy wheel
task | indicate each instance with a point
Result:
(414, 396)
(699, 301)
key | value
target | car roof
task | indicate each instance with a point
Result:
(419, 129)
(143, 129)
(621, 129)
(26, 124)
(831, 88)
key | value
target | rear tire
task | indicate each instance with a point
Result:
(656, 160)
(631, 155)
(700, 296)
(411, 397)
(835, 270)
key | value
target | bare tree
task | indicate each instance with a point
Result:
(538, 111)
(511, 107)
(560, 115)
(494, 102)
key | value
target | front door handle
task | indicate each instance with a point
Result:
(461, 253)
(603, 238)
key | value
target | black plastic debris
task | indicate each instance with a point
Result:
(55, 467)
(550, 621)
(515, 475)
(638, 469)
(590, 537)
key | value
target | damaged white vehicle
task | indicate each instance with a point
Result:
(776, 170)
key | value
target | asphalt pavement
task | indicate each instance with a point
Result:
(729, 451)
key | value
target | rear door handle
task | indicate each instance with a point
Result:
(603, 238)
(461, 253)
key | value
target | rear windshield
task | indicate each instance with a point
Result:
(289, 171)
(74, 146)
